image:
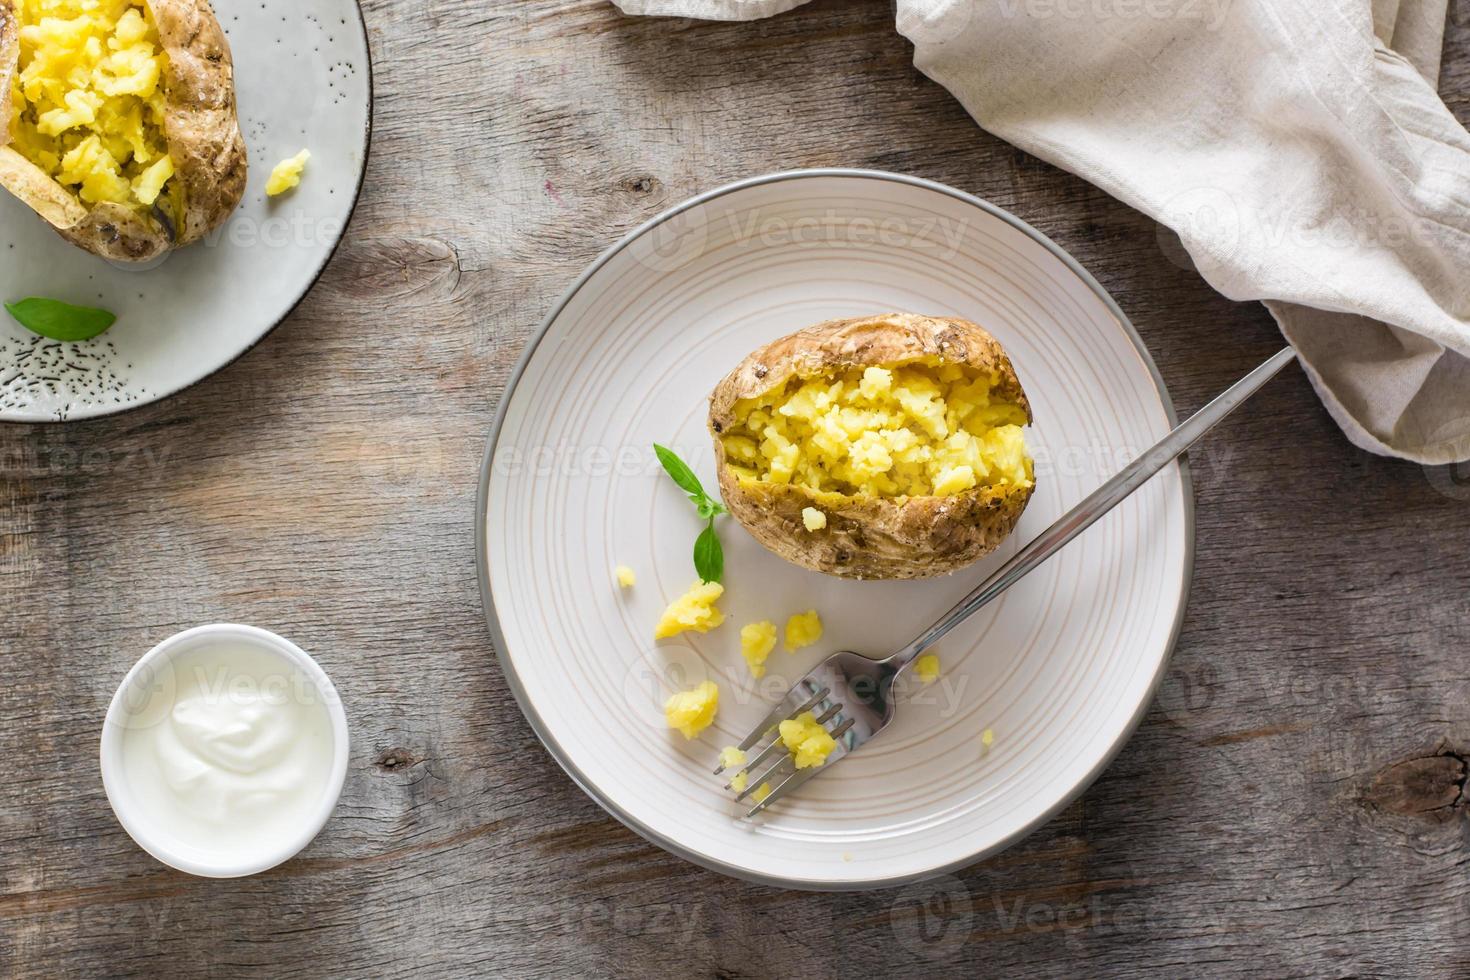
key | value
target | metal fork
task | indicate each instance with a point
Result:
(853, 693)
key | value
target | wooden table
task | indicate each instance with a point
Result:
(1295, 802)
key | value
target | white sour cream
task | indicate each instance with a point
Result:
(227, 751)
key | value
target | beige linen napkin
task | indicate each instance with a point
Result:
(1298, 149)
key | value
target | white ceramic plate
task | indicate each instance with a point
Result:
(302, 79)
(1060, 669)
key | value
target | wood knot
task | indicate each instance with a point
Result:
(396, 267)
(641, 185)
(392, 760)
(1431, 786)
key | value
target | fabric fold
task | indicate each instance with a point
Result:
(1299, 151)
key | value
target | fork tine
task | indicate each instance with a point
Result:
(787, 785)
(790, 782)
(841, 730)
(749, 767)
(778, 714)
(776, 744)
(756, 782)
(822, 693)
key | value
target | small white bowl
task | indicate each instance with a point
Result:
(134, 688)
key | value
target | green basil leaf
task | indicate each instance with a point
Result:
(56, 320)
(680, 472)
(709, 556)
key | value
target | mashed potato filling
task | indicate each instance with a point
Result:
(757, 640)
(919, 428)
(287, 174)
(803, 629)
(694, 610)
(88, 99)
(690, 712)
(806, 740)
(927, 667)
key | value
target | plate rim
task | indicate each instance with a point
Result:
(497, 636)
(321, 270)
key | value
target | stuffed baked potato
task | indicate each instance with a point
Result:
(119, 121)
(885, 446)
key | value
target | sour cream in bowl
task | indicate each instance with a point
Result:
(224, 750)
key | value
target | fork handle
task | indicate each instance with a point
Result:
(1098, 503)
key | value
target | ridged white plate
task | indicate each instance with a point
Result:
(303, 78)
(1060, 669)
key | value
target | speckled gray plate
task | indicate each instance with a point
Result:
(303, 79)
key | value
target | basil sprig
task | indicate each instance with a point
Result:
(56, 320)
(709, 555)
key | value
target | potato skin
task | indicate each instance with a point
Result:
(869, 537)
(9, 54)
(199, 121)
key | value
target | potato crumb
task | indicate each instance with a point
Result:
(761, 792)
(690, 712)
(814, 519)
(876, 382)
(694, 610)
(806, 740)
(847, 856)
(802, 630)
(927, 667)
(626, 578)
(731, 757)
(757, 640)
(287, 174)
(987, 738)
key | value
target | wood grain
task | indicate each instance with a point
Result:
(1295, 803)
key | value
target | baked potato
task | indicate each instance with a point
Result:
(883, 447)
(119, 126)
